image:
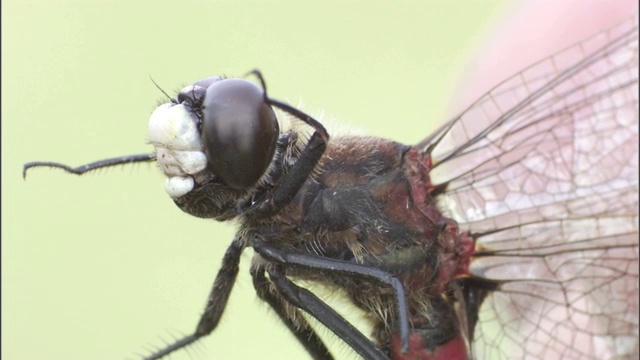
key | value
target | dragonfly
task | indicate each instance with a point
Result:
(510, 232)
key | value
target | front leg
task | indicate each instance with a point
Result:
(216, 302)
(292, 181)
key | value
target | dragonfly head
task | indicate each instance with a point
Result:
(216, 126)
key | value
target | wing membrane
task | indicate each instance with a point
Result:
(543, 170)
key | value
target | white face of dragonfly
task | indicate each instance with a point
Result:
(215, 128)
(179, 151)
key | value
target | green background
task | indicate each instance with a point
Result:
(104, 266)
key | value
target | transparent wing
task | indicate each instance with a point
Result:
(543, 170)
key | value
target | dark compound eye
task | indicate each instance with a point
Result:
(239, 131)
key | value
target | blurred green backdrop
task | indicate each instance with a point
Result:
(105, 266)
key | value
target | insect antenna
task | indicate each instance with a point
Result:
(162, 91)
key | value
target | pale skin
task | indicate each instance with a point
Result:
(529, 31)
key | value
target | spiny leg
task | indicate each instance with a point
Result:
(120, 160)
(291, 183)
(216, 302)
(301, 329)
(307, 301)
(346, 268)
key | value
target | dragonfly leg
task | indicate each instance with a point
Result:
(216, 302)
(304, 166)
(307, 301)
(300, 327)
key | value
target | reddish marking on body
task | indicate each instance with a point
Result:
(455, 248)
(458, 250)
(454, 349)
(466, 249)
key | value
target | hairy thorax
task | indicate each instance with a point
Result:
(369, 202)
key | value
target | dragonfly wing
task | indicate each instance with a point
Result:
(543, 170)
